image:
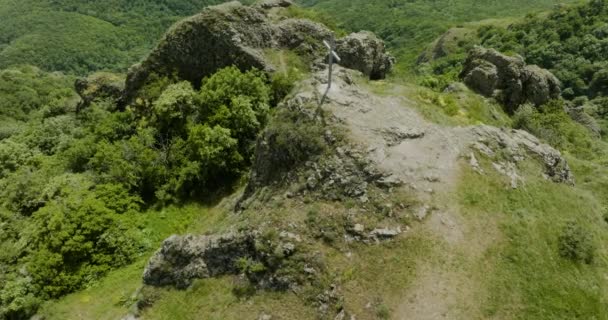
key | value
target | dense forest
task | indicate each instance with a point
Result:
(80, 37)
(408, 26)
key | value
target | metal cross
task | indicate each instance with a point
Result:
(332, 55)
(331, 45)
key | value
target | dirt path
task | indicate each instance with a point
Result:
(426, 157)
(421, 154)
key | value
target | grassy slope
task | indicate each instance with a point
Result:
(508, 264)
(374, 275)
(409, 26)
(523, 273)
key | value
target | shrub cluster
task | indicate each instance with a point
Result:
(576, 244)
(72, 184)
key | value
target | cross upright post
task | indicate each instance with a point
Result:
(332, 56)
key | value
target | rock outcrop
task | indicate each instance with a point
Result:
(235, 34)
(220, 36)
(365, 52)
(182, 259)
(268, 262)
(508, 79)
(516, 146)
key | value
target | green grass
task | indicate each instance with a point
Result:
(214, 299)
(523, 273)
(111, 297)
(379, 274)
(448, 109)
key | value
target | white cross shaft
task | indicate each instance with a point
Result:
(332, 55)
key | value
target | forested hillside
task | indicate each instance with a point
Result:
(84, 36)
(408, 25)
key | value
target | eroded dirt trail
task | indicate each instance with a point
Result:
(422, 154)
(425, 156)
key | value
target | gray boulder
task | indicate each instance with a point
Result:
(517, 145)
(182, 259)
(302, 36)
(365, 52)
(508, 79)
(270, 4)
(540, 85)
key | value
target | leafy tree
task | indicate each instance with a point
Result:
(172, 109)
(236, 101)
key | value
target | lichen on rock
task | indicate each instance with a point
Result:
(508, 79)
(183, 259)
(365, 52)
(517, 145)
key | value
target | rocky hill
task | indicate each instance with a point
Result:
(223, 178)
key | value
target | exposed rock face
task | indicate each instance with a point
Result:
(303, 36)
(517, 145)
(98, 86)
(508, 79)
(275, 263)
(220, 36)
(340, 171)
(235, 34)
(183, 259)
(365, 52)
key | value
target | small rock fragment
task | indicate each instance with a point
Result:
(385, 233)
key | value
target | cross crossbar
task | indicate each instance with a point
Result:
(331, 50)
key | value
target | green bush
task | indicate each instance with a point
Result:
(281, 85)
(569, 42)
(294, 139)
(72, 240)
(576, 244)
